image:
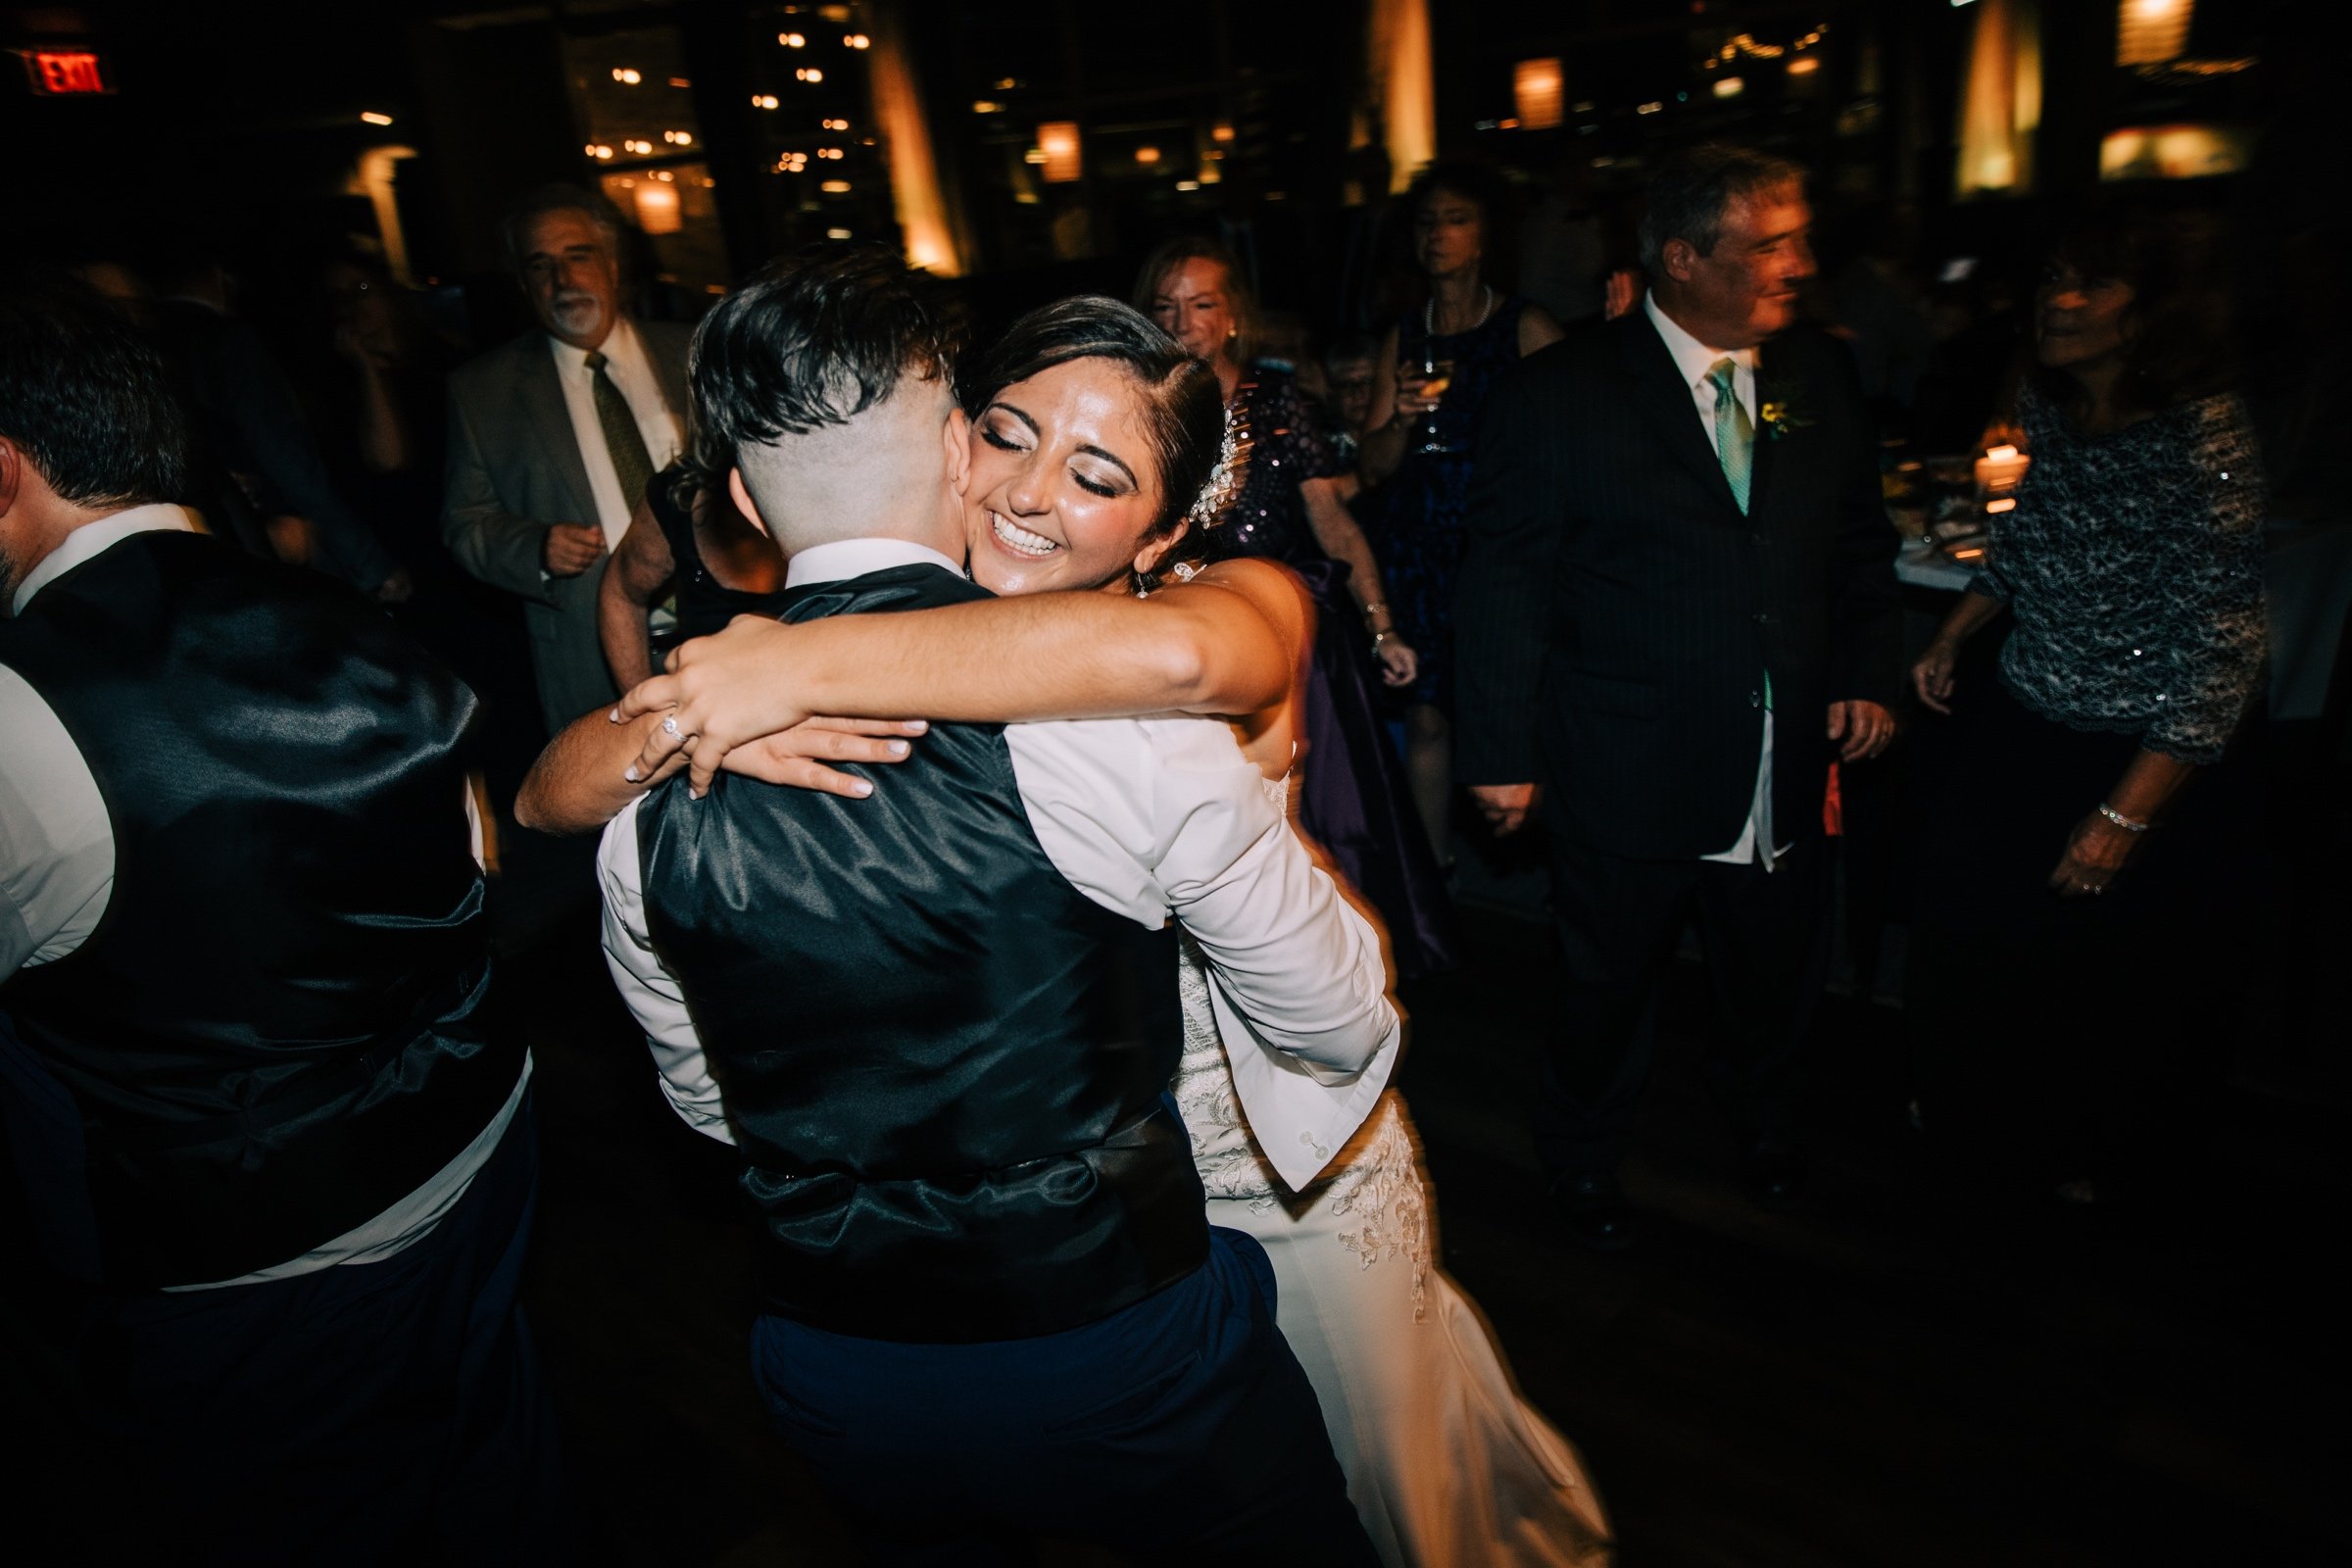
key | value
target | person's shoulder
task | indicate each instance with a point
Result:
(1803, 348)
(501, 364)
(1587, 350)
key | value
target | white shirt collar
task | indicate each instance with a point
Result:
(1692, 357)
(620, 345)
(844, 559)
(93, 538)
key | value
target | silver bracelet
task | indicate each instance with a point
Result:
(2127, 825)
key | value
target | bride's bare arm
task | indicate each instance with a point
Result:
(1228, 642)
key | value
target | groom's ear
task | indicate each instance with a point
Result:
(743, 502)
(957, 433)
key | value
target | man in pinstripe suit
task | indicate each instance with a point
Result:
(1677, 607)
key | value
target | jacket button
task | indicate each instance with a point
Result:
(1756, 698)
(1763, 617)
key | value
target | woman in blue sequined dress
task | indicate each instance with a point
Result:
(1470, 332)
(1354, 802)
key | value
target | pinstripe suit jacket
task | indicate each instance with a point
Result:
(1616, 612)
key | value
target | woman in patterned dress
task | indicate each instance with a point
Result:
(1447, 1464)
(1354, 801)
(2086, 863)
(1419, 443)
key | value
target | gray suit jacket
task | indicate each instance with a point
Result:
(515, 467)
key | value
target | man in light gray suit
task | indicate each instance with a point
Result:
(554, 437)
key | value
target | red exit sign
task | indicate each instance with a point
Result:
(62, 73)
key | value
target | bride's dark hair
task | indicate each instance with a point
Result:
(1184, 408)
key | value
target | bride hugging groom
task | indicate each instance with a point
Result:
(1056, 1066)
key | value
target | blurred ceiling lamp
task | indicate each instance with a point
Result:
(1803, 66)
(792, 41)
(627, 76)
(1147, 155)
(1404, 86)
(1536, 92)
(1220, 131)
(914, 190)
(1058, 139)
(371, 117)
(858, 40)
(658, 209)
(1729, 86)
(835, 187)
(2000, 100)
(2149, 32)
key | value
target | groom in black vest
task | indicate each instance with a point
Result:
(1677, 607)
(275, 1159)
(940, 1022)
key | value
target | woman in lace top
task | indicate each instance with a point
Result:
(2130, 570)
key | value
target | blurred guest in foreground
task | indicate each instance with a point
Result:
(1429, 383)
(1294, 508)
(554, 437)
(256, 434)
(2091, 840)
(278, 1161)
(1677, 605)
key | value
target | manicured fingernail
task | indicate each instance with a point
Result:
(862, 788)
(919, 726)
(897, 748)
(613, 717)
(630, 773)
(694, 794)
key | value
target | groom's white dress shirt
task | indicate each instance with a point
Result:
(56, 876)
(1151, 819)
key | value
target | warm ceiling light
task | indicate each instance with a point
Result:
(1147, 155)
(835, 187)
(1536, 92)
(1220, 132)
(627, 76)
(792, 41)
(375, 118)
(1058, 140)
(1729, 86)
(1803, 66)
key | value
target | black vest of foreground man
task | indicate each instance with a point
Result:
(277, 1159)
(1009, 1165)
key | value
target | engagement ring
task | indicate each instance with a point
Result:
(670, 726)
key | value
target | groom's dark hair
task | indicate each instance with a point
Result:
(816, 337)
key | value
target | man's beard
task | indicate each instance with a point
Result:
(577, 313)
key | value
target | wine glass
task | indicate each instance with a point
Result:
(1435, 376)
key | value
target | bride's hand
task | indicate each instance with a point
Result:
(721, 692)
(798, 756)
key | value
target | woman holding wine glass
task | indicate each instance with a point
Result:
(1292, 508)
(1439, 362)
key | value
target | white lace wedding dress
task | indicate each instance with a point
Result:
(1447, 1464)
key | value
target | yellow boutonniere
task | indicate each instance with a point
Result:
(1779, 418)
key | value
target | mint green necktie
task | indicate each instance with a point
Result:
(1735, 436)
(1736, 449)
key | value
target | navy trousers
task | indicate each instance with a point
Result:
(1180, 1429)
(385, 1412)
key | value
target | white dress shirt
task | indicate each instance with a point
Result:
(57, 874)
(1696, 362)
(1150, 818)
(632, 373)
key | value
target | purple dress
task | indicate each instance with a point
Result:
(1354, 802)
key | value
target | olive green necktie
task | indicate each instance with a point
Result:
(631, 463)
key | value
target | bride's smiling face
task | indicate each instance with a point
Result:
(1063, 484)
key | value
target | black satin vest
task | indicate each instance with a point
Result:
(276, 1031)
(945, 1066)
